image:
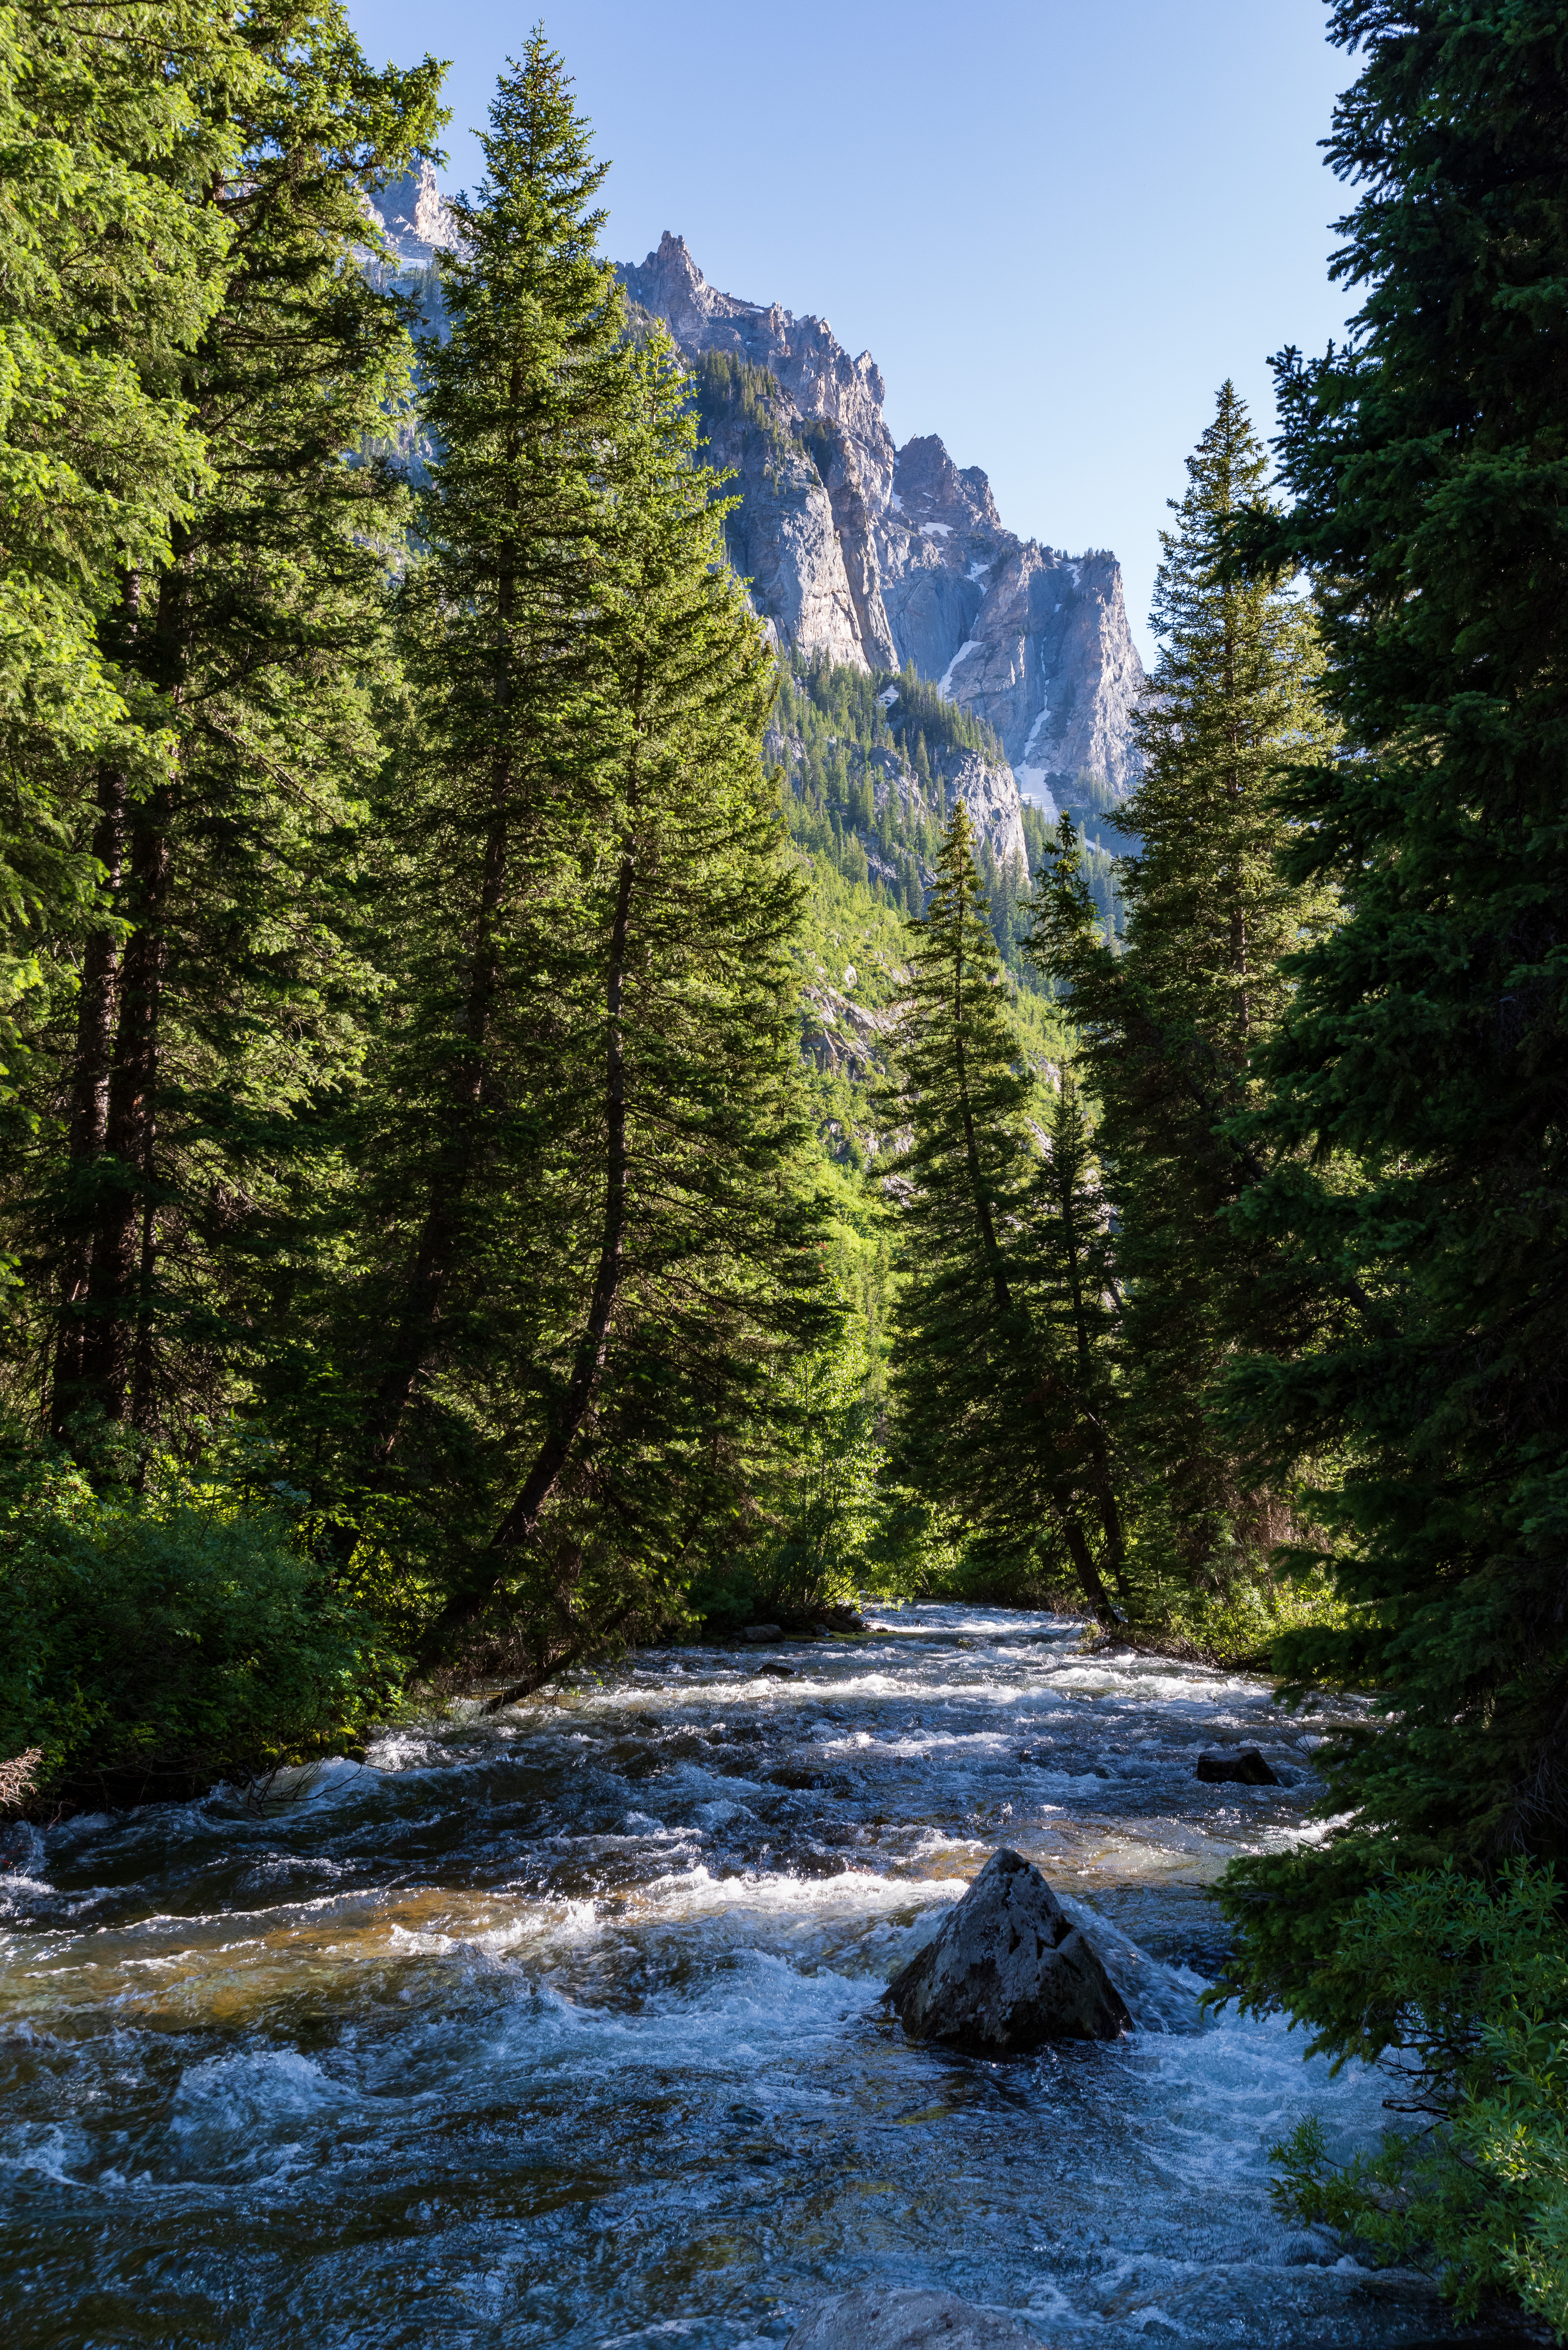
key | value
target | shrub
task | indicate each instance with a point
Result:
(156, 1643)
(1464, 1988)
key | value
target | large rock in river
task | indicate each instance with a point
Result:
(906, 2320)
(1008, 1971)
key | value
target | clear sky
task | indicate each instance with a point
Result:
(1057, 227)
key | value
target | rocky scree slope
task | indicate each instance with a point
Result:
(861, 553)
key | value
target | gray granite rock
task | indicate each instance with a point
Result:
(804, 535)
(991, 795)
(805, 354)
(414, 216)
(908, 2319)
(1033, 641)
(1008, 1971)
(893, 557)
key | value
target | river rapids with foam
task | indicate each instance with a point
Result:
(561, 2028)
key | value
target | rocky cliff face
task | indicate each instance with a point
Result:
(879, 556)
(784, 536)
(874, 556)
(813, 366)
(414, 216)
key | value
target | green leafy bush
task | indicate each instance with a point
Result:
(156, 1643)
(1463, 1989)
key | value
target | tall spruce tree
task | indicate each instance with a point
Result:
(1426, 1043)
(1169, 1026)
(245, 646)
(1000, 1406)
(586, 1186)
(113, 267)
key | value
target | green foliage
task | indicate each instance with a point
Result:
(1168, 1027)
(112, 270)
(182, 1061)
(722, 382)
(1462, 1989)
(1241, 1616)
(870, 765)
(411, 1059)
(818, 1509)
(583, 1187)
(1001, 1402)
(925, 724)
(1412, 1117)
(158, 1641)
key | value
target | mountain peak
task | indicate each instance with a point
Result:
(927, 486)
(861, 553)
(414, 216)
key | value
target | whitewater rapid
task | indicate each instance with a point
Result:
(561, 2028)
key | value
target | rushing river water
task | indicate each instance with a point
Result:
(561, 2029)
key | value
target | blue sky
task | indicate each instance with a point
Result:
(1058, 228)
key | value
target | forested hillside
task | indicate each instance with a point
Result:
(537, 1116)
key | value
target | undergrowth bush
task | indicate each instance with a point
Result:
(1240, 1624)
(156, 1642)
(1461, 1989)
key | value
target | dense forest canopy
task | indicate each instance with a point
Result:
(537, 1116)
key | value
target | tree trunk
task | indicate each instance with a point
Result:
(420, 1317)
(522, 1518)
(118, 1310)
(1088, 1573)
(96, 1008)
(519, 1522)
(431, 1276)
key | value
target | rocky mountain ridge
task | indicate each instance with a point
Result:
(414, 216)
(864, 553)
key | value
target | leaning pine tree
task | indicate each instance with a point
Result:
(1000, 1410)
(589, 1215)
(1170, 1026)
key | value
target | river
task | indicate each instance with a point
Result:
(561, 2028)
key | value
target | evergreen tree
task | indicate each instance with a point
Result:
(583, 1175)
(1425, 1042)
(112, 270)
(996, 1371)
(168, 1153)
(1169, 1026)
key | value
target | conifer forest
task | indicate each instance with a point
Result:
(537, 1127)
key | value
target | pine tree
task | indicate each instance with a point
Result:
(514, 722)
(996, 1372)
(112, 270)
(1170, 1026)
(1426, 1045)
(592, 1222)
(248, 648)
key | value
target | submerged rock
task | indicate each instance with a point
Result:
(1243, 1764)
(908, 2319)
(1008, 1971)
